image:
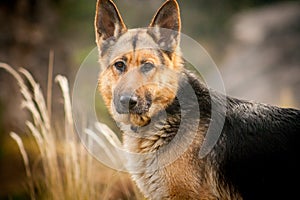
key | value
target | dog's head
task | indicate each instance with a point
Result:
(140, 67)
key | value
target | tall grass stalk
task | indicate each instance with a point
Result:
(49, 83)
(68, 169)
(26, 162)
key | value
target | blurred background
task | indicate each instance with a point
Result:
(255, 44)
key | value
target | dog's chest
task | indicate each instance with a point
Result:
(179, 179)
(145, 170)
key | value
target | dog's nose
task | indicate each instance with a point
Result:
(128, 101)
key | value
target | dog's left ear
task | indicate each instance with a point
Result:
(167, 17)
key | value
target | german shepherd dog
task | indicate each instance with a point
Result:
(256, 155)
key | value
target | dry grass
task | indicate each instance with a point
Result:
(68, 171)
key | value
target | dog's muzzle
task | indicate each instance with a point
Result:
(126, 103)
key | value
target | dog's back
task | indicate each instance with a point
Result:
(261, 144)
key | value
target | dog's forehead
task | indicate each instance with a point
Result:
(131, 41)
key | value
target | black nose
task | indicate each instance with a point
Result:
(128, 102)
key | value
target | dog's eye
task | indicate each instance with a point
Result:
(120, 66)
(146, 67)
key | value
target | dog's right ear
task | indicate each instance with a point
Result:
(108, 22)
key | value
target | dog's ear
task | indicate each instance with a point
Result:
(108, 22)
(167, 17)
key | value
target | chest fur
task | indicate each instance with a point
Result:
(161, 176)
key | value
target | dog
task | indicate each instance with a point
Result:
(144, 84)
